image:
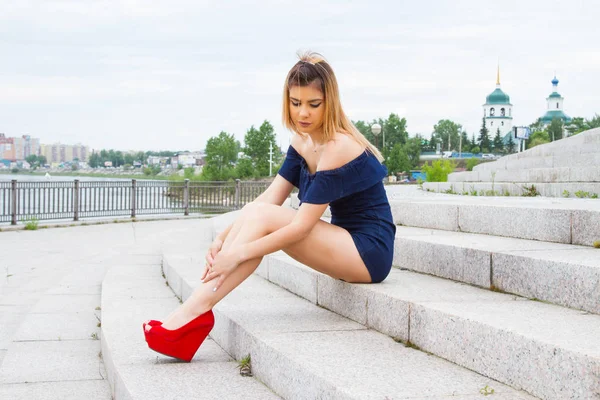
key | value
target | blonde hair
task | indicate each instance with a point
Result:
(312, 69)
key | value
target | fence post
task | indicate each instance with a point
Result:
(76, 201)
(237, 193)
(186, 197)
(13, 202)
(133, 198)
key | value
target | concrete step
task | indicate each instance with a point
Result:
(302, 351)
(562, 274)
(549, 351)
(569, 221)
(132, 294)
(582, 150)
(563, 189)
(533, 175)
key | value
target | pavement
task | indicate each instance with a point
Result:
(50, 314)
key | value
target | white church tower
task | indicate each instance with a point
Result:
(555, 106)
(497, 111)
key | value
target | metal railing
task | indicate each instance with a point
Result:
(22, 201)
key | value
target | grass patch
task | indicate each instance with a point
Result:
(530, 191)
(31, 224)
(486, 390)
(245, 366)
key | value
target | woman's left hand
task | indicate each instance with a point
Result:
(223, 265)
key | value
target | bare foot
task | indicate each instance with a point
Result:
(180, 317)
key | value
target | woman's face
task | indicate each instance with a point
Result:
(307, 105)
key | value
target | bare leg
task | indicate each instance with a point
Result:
(203, 298)
(328, 249)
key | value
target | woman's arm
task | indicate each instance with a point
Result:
(304, 221)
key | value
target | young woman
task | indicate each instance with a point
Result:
(332, 164)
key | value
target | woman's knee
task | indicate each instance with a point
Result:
(252, 209)
(257, 213)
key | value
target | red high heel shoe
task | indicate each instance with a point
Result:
(180, 343)
(151, 322)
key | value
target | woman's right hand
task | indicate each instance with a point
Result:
(213, 250)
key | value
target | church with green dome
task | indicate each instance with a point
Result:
(497, 112)
(555, 106)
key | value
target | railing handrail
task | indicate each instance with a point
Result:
(81, 199)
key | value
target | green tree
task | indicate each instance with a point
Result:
(448, 133)
(555, 129)
(32, 159)
(398, 160)
(484, 138)
(95, 160)
(438, 171)
(593, 123)
(498, 143)
(257, 143)
(412, 147)
(244, 168)
(128, 158)
(42, 160)
(577, 125)
(395, 132)
(221, 155)
(537, 138)
(510, 146)
(466, 143)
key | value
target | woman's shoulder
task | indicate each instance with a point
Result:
(339, 151)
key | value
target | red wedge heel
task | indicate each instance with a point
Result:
(180, 343)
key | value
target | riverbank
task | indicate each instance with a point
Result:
(87, 175)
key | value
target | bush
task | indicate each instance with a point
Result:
(15, 170)
(471, 162)
(475, 150)
(439, 170)
(31, 224)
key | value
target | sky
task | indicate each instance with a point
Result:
(168, 75)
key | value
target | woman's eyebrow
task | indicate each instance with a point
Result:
(310, 101)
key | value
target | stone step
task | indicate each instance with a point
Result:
(589, 190)
(558, 273)
(534, 175)
(569, 221)
(302, 351)
(560, 160)
(549, 351)
(582, 150)
(133, 294)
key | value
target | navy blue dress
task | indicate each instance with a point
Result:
(358, 203)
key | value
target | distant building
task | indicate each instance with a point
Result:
(59, 153)
(497, 111)
(26, 146)
(157, 160)
(555, 106)
(7, 148)
(187, 159)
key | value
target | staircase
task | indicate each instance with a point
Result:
(489, 298)
(569, 167)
